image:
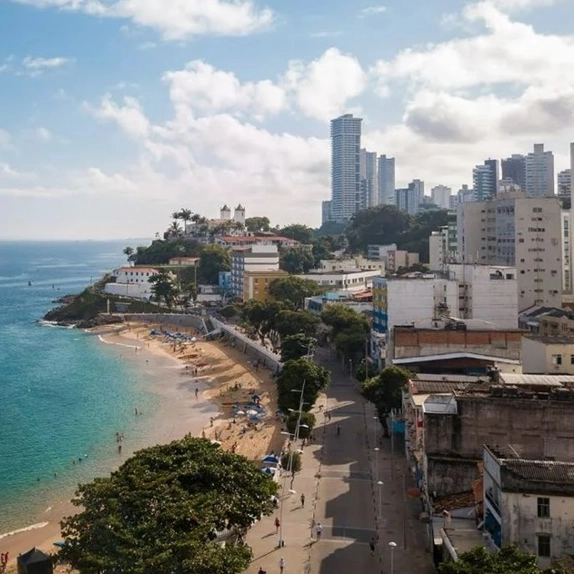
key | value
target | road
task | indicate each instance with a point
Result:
(339, 479)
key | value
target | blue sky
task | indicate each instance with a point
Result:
(117, 112)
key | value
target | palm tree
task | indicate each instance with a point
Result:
(185, 215)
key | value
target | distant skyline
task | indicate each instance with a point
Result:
(116, 113)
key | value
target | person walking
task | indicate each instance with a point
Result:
(318, 531)
(281, 564)
(277, 525)
(302, 500)
(338, 427)
(372, 546)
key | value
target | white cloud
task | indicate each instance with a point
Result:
(128, 116)
(43, 134)
(512, 5)
(372, 11)
(40, 64)
(205, 89)
(322, 88)
(7, 172)
(174, 19)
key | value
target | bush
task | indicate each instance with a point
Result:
(291, 461)
(229, 311)
(306, 419)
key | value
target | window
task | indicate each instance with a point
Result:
(571, 356)
(543, 504)
(544, 545)
(556, 360)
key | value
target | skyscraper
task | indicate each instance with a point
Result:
(386, 180)
(440, 196)
(564, 180)
(369, 193)
(492, 165)
(483, 182)
(539, 172)
(345, 167)
(514, 168)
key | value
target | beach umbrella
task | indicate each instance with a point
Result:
(271, 459)
(268, 470)
(252, 413)
(240, 413)
(193, 339)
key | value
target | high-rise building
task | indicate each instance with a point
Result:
(386, 180)
(564, 180)
(465, 194)
(519, 231)
(368, 167)
(440, 196)
(325, 211)
(539, 172)
(409, 198)
(514, 168)
(345, 167)
(485, 180)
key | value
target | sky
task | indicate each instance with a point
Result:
(115, 113)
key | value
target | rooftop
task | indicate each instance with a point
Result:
(254, 238)
(450, 356)
(549, 340)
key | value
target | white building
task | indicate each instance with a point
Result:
(438, 250)
(487, 294)
(380, 251)
(553, 355)
(386, 180)
(539, 172)
(254, 258)
(345, 167)
(348, 280)
(411, 301)
(358, 263)
(368, 168)
(565, 220)
(517, 231)
(440, 196)
(564, 180)
(132, 282)
(529, 503)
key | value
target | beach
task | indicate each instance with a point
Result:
(196, 384)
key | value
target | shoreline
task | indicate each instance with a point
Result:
(221, 376)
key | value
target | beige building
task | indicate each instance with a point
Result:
(548, 355)
(524, 232)
(255, 284)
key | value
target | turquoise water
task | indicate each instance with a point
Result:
(63, 394)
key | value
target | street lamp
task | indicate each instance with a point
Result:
(290, 463)
(377, 463)
(375, 419)
(380, 485)
(392, 546)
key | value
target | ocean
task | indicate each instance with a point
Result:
(63, 393)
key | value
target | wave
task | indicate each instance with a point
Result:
(54, 324)
(36, 526)
(118, 344)
(14, 277)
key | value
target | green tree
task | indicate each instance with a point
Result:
(385, 390)
(294, 322)
(296, 260)
(185, 215)
(163, 288)
(292, 461)
(291, 379)
(296, 346)
(298, 232)
(161, 510)
(159, 252)
(340, 318)
(261, 316)
(129, 253)
(212, 260)
(378, 225)
(229, 311)
(509, 560)
(306, 426)
(257, 224)
(293, 290)
(351, 342)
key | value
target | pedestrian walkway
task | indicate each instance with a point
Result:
(339, 478)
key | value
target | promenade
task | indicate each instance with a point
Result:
(339, 479)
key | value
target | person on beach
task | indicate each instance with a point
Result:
(281, 564)
(277, 525)
(302, 500)
(119, 449)
(318, 531)
(196, 392)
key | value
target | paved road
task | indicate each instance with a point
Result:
(339, 479)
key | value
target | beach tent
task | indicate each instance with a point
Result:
(35, 562)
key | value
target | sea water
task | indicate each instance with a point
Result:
(63, 394)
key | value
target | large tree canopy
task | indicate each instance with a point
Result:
(298, 232)
(296, 346)
(161, 510)
(509, 560)
(294, 322)
(212, 260)
(293, 290)
(291, 379)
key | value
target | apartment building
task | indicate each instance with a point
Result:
(256, 258)
(518, 231)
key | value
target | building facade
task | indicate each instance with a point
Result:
(517, 231)
(539, 172)
(256, 283)
(345, 167)
(386, 180)
(369, 189)
(548, 355)
(132, 282)
(514, 170)
(342, 280)
(441, 195)
(256, 258)
(483, 185)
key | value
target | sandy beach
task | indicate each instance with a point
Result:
(197, 384)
